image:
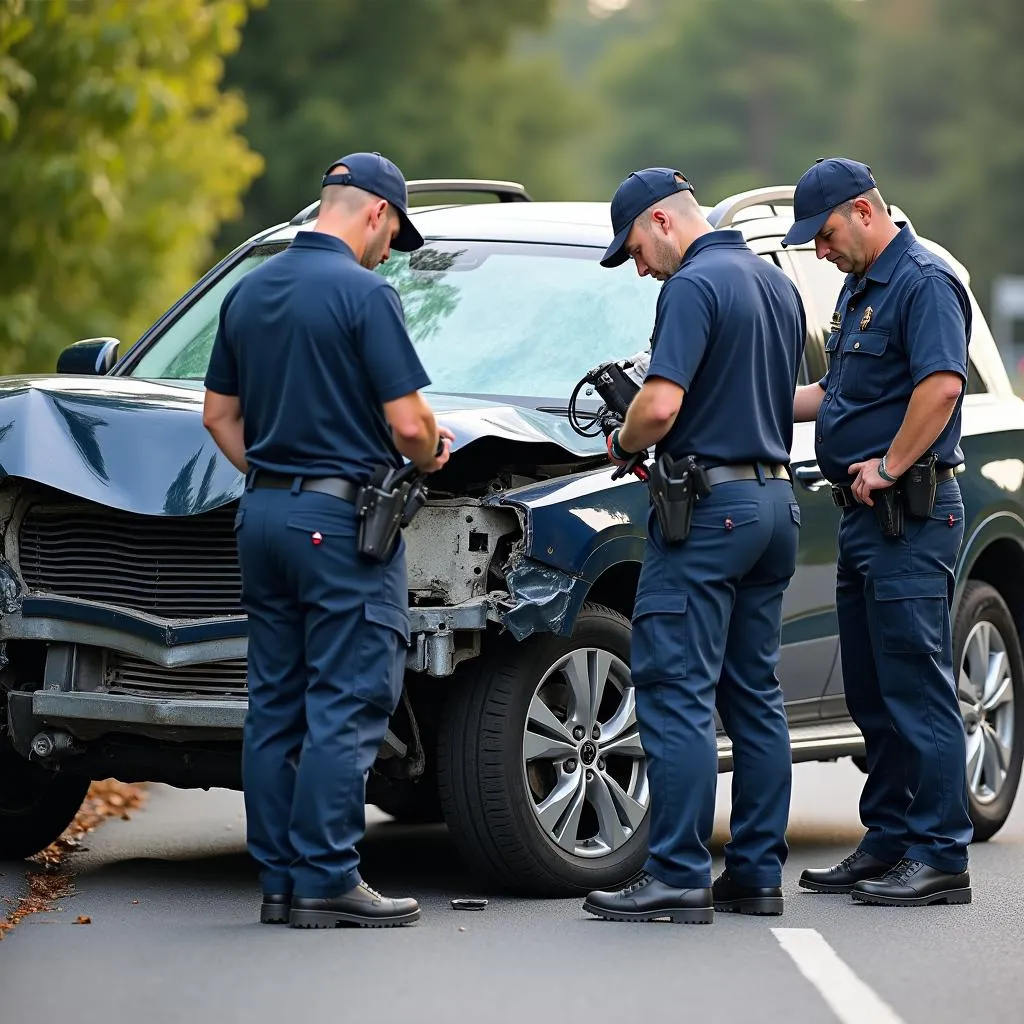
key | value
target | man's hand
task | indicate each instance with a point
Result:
(616, 453)
(444, 442)
(867, 480)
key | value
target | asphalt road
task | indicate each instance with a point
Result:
(189, 951)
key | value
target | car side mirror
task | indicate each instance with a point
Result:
(94, 356)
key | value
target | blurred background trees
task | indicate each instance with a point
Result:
(120, 156)
(128, 162)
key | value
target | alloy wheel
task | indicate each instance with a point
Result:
(585, 767)
(985, 689)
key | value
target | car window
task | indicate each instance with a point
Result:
(820, 284)
(518, 319)
(182, 352)
(975, 384)
(486, 318)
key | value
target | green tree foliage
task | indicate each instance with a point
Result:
(119, 159)
(945, 116)
(429, 83)
(736, 94)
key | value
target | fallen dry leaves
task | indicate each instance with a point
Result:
(48, 881)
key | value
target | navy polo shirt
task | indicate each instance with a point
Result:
(730, 330)
(313, 345)
(908, 316)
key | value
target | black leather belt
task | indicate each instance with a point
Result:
(727, 474)
(335, 486)
(842, 494)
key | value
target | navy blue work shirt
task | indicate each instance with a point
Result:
(730, 331)
(313, 345)
(909, 316)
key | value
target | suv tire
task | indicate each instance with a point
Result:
(986, 645)
(36, 805)
(531, 805)
(410, 801)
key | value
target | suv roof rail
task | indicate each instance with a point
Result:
(505, 191)
(724, 214)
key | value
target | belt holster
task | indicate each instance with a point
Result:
(918, 487)
(675, 487)
(889, 511)
(386, 504)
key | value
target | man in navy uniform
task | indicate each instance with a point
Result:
(892, 394)
(313, 383)
(728, 339)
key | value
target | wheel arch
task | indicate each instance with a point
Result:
(995, 555)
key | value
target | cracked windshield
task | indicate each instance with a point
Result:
(487, 318)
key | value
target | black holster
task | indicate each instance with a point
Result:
(889, 510)
(386, 504)
(675, 487)
(918, 487)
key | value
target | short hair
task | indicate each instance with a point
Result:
(683, 202)
(873, 196)
(351, 197)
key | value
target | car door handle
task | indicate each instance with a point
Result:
(810, 476)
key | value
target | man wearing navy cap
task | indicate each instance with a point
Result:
(313, 384)
(728, 339)
(888, 431)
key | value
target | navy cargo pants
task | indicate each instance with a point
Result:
(327, 637)
(893, 597)
(706, 627)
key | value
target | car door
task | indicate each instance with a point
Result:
(810, 631)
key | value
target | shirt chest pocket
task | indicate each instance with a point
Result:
(871, 365)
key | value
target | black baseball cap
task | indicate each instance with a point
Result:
(639, 191)
(377, 174)
(828, 183)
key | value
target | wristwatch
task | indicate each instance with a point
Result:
(884, 473)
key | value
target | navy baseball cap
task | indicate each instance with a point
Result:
(377, 174)
(639, 191)
(826, 185)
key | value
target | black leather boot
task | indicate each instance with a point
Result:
(360, 906)
(913, 884)
(647, 899)
(275, 908)
(732, 898)
(846, 874)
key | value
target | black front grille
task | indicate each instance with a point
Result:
(212, 679)
(177, 567)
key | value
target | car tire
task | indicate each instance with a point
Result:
(507, 774)
(410, 801)
(990, 683)
(36, 805)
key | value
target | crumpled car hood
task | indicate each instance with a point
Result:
(141, 446)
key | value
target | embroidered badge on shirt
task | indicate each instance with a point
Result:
(866, 318)
(837, 321)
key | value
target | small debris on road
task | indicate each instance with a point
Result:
(83, 919)
(48, 879)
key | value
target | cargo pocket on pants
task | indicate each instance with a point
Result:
(380, 664)
(658, 648)
(911, 613)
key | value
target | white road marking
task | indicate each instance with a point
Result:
(849, 998)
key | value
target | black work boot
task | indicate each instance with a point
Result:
(275, 908)
(647, 899)
(360, 906)
(846, 874)
(913, 884)
(732, 898)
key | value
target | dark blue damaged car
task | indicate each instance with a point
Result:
(122, 643)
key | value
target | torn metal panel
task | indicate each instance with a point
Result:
(449, 547)
(540, 599)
